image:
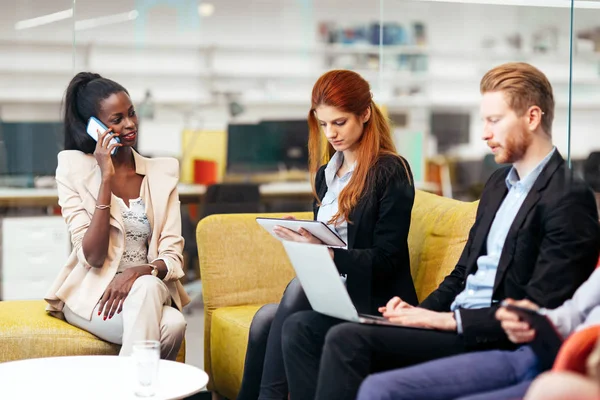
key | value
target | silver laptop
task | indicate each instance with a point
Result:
(322, 283)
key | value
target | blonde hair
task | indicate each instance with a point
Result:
(524, 86)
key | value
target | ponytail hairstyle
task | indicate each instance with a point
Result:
(349, 92)
(82, 100)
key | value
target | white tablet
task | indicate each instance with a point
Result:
(318, 229)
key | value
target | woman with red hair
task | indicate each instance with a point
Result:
(364, 191)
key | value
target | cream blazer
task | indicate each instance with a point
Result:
(79, 285)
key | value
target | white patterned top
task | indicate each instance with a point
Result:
(137, 233)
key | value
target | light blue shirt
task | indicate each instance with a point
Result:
(581, 311)
(335, 185)
(480, 285)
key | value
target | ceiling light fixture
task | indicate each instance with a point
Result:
(106, 20)
(44, 19)
(527, 3)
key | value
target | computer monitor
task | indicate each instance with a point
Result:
(293, 136)
(450, 129)
(249, 150)
(268, 146)
(31, 147)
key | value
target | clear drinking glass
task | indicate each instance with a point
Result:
(146, 356)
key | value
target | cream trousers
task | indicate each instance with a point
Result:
(147, 315)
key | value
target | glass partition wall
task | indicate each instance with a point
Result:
(224, 86)
(453, 44)
(209, 77)
(585, 107)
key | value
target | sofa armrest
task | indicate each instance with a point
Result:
(241, 264)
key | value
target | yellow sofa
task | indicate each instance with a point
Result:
(27, 331)
(243, 268)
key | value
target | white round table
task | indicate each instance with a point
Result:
(93, 377)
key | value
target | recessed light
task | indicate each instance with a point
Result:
(206, 9)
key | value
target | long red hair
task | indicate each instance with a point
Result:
(348, 92)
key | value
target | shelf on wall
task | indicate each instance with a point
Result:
(319, 48)
(203, 99)
(38, 82)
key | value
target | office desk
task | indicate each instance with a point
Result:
(188, 193)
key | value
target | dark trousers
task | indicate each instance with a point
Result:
(264, 373)
(326, 358)
(255, 353)
(484, 375)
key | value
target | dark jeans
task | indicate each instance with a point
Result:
(255, 353)
(264, 373)
(328, 359)
(484, 375)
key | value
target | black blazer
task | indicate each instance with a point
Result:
(551, 248)
(377, 261)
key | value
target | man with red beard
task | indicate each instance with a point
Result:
(535, 237)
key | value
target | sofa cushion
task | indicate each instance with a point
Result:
(241, 264)
(438, 233)
(27, 331)
(228, 343)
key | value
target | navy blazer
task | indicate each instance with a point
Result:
(550, 250)
(377, 262)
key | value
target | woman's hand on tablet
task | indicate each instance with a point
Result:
(302, 236)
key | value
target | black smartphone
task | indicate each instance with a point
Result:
(547, 340)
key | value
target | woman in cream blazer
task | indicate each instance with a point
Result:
(121, 281)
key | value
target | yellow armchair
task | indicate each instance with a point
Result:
(243, 268)
(27, 331)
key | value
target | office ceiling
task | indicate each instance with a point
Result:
(257, 21)
(177, 23)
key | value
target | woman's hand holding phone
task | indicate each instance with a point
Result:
(103, 153)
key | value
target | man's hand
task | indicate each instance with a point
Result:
(395, 303)
(517, 331)
(421, 318)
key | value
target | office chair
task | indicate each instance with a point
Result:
(231, 198)
(188, 231)
(488, 167)
(478, 180)
(3, 154)
(591, 170)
